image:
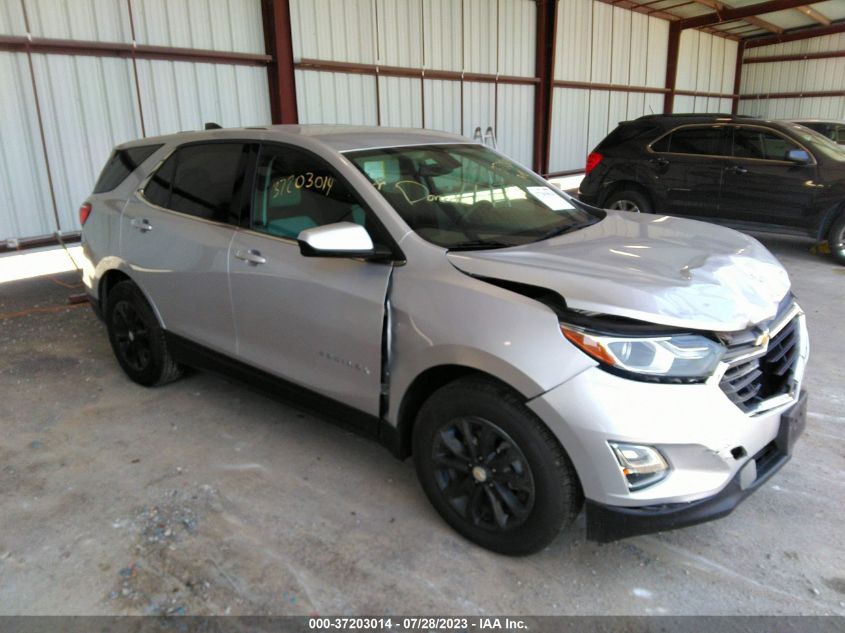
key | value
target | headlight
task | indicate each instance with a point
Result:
(686, 356)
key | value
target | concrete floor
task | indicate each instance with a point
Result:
(204, 498)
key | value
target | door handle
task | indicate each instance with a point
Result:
(142, 225)
(737, 169)
(660, 162)
(251, 256)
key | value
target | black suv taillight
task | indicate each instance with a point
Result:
(592, 161)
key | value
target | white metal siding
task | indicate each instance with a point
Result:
(517, 38)
(88, 106)
(399, 33)
(335, 98)
(338, 30)
(443, 34)
(599, 43)
(706, 63)
(96, 20)
(443, 105)
(582, 118)
(11, 18)
(25, 205)
(515, 121)
(90, 103)
(808, 75)
(400, 100)
(179, 96)
(220, 25)
(494, 37)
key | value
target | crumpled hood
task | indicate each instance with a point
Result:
(658, 269)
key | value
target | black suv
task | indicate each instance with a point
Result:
(749, 173)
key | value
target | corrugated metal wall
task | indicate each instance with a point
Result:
(89, 104)
(706, 63)
(492, 37)
(602, 44)
(808, 75)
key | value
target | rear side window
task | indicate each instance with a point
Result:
(122, 163)
(704, 141)
(201, 180)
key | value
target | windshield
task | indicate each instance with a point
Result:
(465, 196)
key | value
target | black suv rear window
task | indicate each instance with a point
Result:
(122, 163)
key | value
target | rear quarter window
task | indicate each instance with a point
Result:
(627, 132)
(122, 163)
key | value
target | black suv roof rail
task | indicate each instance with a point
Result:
(694, 115)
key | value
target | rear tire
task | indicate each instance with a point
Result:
(628, 200)
(836, 239)
(136, 337)
(492, 469)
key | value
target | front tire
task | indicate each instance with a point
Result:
(836, 239)
(628, 200)
(492, 469)
(136, 337)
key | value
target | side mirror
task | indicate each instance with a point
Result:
(799, 156)
(342, 239)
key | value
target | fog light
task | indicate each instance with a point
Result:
(642, 465)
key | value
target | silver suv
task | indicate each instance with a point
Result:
(532, 353)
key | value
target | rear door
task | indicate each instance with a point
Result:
(176, 234)
(687, 166)
(314, 321)
(761, 185)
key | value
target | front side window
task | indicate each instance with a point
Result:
(465, 196)
(295, 190)
(201, 180)
(761, 144)
(699, 140)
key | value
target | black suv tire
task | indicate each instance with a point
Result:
(492, 469)
(628, 200)
(136, 337)
(836, 239)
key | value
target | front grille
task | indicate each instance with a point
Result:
(750, 381)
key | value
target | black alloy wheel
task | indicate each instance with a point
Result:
(492, 469)
(483, 474)
(131, 336)
(137, 339)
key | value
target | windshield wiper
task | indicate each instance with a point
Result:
(472, 245)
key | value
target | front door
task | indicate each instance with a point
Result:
(316, 322)
(761, 185)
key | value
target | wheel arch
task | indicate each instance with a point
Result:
(829, 218)
(623, 184)
(113, 276)
(420, 389)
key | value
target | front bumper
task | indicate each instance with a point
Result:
(609, 523)
(706, 439)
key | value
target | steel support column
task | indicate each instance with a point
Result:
(279, 45)
(672, 66)
(740, 54)
(545, 62)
